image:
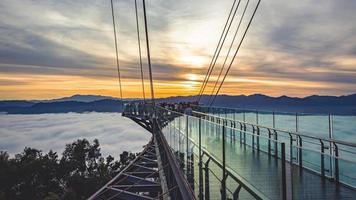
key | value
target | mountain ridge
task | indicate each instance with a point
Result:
(315, 104)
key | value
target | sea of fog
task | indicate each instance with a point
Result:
(52, 131)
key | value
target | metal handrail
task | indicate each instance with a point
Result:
(265, 111)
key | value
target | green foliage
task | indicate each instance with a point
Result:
(76, 175)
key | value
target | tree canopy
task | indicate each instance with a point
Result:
(76, 175)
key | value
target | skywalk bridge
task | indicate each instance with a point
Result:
(221, 153)
(211, 154)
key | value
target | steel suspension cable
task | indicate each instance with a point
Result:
(220, 48)
(217, 47)
(139, 51)
(228, 53)
(117, 53)
(237, 50)
(148, 53)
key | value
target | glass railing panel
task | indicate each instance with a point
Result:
(311, 158)
(265, 119)
(211, 138)
(193, 125)
(316, 125)
(344, 128)
(238, 115)
(251, 117)
(347, 164)
(215, 177)
(285, 121)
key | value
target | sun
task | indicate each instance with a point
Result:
(191, 77)
(193, 61)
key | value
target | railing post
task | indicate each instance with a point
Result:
(234, 131)
(258, 138)
(187, 143)
(207, 187)
(201, 197)
(241, 129)
(217, 126)
(269, 141)
(170, 134)
(291, 147)
(231, 129)
(245, 134)
(175, 136)
(336, 163)
(300, 152)
(284, 177)
(322, 167)
(330, 144)
(296, 122)
(253, 137)
(275, 144)
(244, 116)
(223, 180)
(179, 139)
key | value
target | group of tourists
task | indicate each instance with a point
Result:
(141, 108)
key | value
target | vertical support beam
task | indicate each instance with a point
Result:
(244, 116)
(241, 129)
(291, 147)
(201, 187)
(244, 133)
(170, 134)
(275, 144)
(179, 138)
(300, 152)
(234, 131)
(223, 180)
(258, 139)
(231, 130)
(296, 123)
(187, 144)
(284, 177)
(207, 181)
(234, 118)
(269, 141)
(336, 163)
(330, 145)
(174, 136)
(322, 167)
(253, 137)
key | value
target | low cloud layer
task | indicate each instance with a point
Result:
(52, 131)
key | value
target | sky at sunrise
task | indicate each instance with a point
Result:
(51, 48)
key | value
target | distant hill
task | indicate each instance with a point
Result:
(105, 105)
(15, 103)
(81, 98)
(342, 105)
